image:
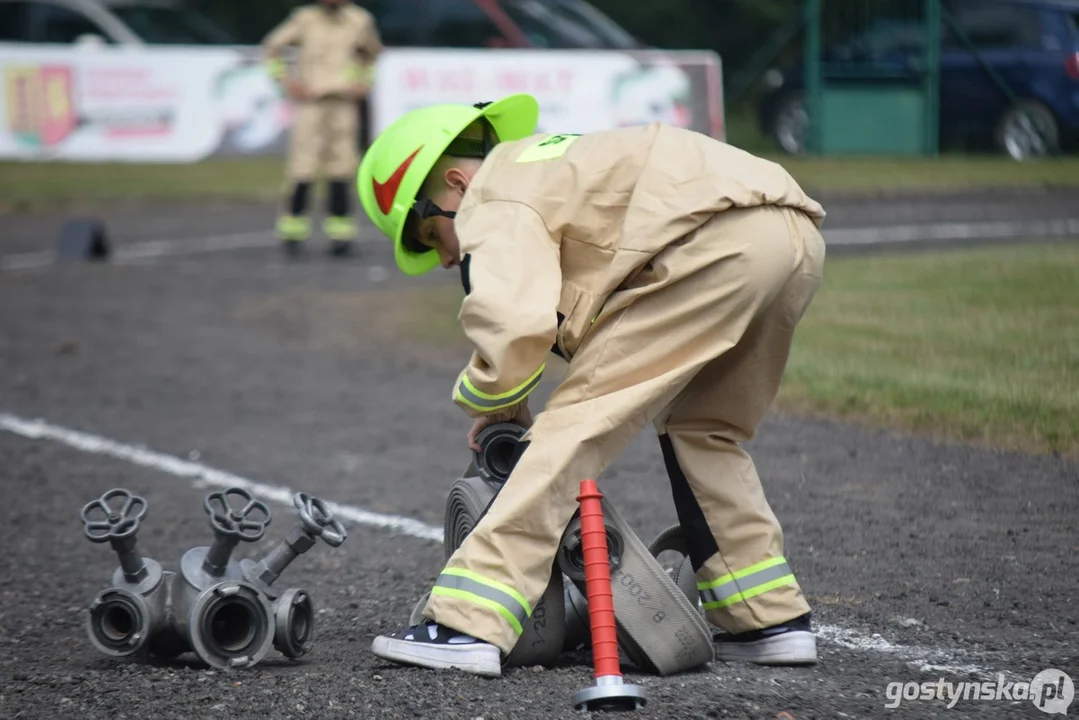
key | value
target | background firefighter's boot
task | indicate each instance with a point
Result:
(293, 231)
(342, 234)
(339, 225)
(293, 226)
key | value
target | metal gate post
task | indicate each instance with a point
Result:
(933, 21)
(813, 76)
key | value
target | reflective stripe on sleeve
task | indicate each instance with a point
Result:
(276, 68)
(467, 393)
(745, 584)
(469, 586)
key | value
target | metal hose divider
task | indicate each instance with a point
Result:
(119, 622)
(231, 625)
(227, 612)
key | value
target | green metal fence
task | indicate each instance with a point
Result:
(876, 88)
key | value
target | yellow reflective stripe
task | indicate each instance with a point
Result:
(476, 399)
(339, 228)
(472, 597)
(751, 593)
(357, 72)
(293, 228)
(276, 68)
(466, 585)
(763, 565)
(745, 584)
(461, 572)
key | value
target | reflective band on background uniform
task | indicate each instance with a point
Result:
(467, 393)
(276, 68)
(339, 228)
(466, 585)
(745, 584)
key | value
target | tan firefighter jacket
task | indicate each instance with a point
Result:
(552, 225)
(337, 48)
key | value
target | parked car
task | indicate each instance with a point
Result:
(1031, 45)
(109, 22)
(497, 24)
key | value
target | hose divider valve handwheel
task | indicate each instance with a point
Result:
(316, 521)
(231, 523)
(610, 691)
(117, 524)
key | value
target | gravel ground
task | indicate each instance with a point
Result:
(921, 560)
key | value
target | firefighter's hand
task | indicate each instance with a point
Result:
(359, 91)
(297, 90)
(522, 416)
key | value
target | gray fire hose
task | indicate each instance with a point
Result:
(225, 611)
(661, 627)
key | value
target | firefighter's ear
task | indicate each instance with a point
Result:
(457, 179)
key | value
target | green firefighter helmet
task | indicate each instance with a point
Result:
(394, 168)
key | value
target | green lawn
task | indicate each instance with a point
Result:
(51, 185)
(971, 345)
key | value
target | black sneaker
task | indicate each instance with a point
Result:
(432, 645)
(792, 643)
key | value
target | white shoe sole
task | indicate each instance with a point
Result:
(792, 648)
(483, 659)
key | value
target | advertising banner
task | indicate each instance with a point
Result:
(185, 104)
(136, 105)
(579, 90)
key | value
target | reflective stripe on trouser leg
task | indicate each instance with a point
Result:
(293, 228)
(745, 584)
(468, 586)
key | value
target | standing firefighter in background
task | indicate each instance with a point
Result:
(670, 270)
(338, 46)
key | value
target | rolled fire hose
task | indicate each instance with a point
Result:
(541, 640)
(681, 573)
(660, 627)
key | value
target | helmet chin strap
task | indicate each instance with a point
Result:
(426, 208)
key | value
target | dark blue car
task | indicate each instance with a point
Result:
(1029, 109)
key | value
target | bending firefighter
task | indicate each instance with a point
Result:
(670, 270)
(338, 44)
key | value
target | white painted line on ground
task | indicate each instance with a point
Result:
(26, 261)
(848, 237)
(895, 234)
(955, 662)
(40, 430)
(153, 249)
(925, 659)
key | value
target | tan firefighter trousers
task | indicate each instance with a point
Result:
(324, 138)
(696, 345)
